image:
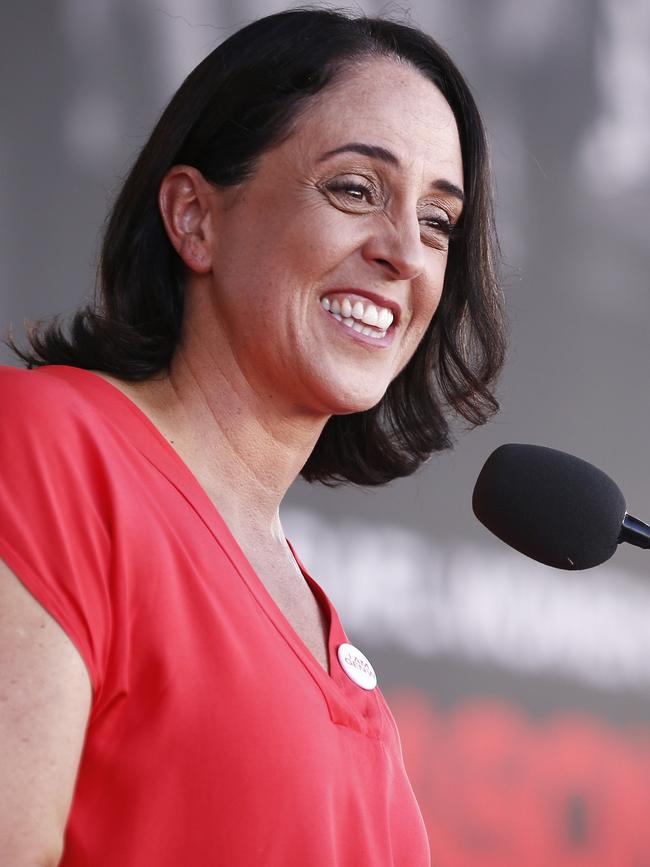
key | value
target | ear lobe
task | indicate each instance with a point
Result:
(184, 199)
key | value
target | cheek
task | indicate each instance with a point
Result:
(426, 302)
(428, 299)
(308, 248)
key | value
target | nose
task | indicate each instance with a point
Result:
(397, 248)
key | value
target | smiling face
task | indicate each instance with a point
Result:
(348, 219)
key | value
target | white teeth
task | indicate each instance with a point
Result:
(357, 326)
(384, 319)
(370, 315)
(368, 319)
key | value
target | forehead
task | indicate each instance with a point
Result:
(388, 103)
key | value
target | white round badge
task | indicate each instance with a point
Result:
(356, 666)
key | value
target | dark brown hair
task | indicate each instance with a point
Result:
(240, 101)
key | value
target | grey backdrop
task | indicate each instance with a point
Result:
(565, 90)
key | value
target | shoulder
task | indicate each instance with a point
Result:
(45, 398)
(56, 514)
(51, 383)
(38, 394)
(45, 420)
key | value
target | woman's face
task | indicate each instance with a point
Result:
(329, 262)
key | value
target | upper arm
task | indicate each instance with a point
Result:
(45, 696)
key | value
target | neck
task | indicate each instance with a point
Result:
(245, 447)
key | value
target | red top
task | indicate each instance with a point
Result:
(215, 737)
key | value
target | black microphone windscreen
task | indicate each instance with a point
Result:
(551, 506)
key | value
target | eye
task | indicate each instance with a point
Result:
(437, 228)
(353, 192)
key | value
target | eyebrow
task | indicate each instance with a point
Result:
(384, 155)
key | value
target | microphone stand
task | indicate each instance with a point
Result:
(635, 532)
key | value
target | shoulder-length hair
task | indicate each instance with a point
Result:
(240, 101)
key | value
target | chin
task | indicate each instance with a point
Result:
(335, 391)
(346, 404)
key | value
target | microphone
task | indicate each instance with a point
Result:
(554, 507)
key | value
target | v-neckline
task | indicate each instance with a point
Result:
(150, 442)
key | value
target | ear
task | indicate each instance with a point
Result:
(184, 200)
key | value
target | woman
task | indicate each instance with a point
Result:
(297, 278)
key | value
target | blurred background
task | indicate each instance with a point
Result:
(522, 693)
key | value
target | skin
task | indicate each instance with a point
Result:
(45, 697)
(259, 370)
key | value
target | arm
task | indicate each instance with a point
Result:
(45, 696)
